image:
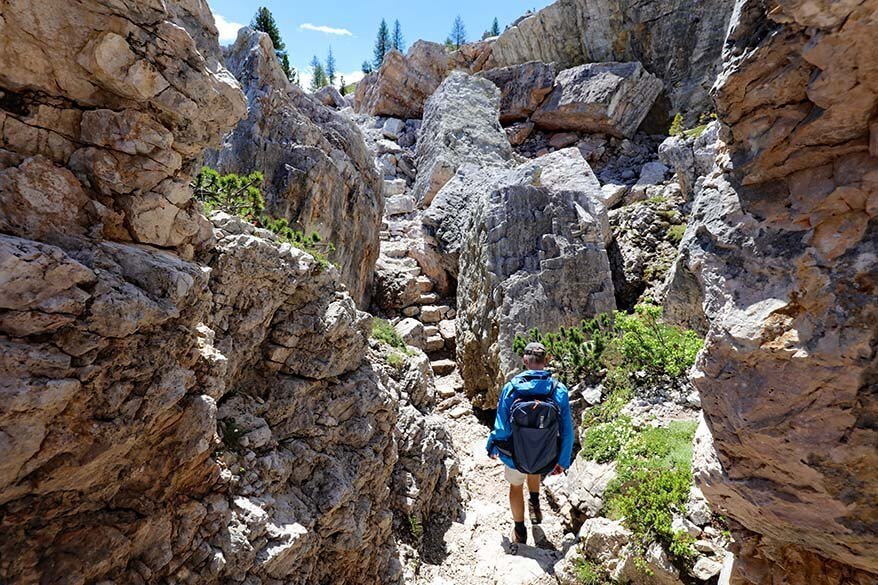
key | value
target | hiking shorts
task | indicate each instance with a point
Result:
(513, 476)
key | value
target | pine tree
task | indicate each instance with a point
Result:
(264, 21)
(495, 28)
(330, 67)
(342, 90)
(367, 68)
(382, 44)
(458, 32)
(318, 75)
(397, 42)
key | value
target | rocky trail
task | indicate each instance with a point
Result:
(476, 549)
(277, 370)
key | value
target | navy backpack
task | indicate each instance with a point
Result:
(536, 432)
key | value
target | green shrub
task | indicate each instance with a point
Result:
(675, 233)
(589, 573)
(608, 343)
(654, 347)
(384, 332)
(396, 361)
(620, 391)
(603, 441)
(654, 473)
(242, 196)
(676, 128)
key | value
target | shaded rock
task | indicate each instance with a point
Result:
(522, 88)
(518, 133)
(402, 84)
(690, 158)
(396, 283)
(679, 41)
(612, 98)
(319, 174)
(534, 231)
(460, 126)
(329, 96)
(393, 128)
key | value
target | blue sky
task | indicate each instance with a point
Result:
(309, 28)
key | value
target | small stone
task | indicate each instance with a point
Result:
(451, 314)
(704, 546)
(411, 311)
(395, 187)
(412, 332)
(444, 309)
(459, 411)
(431, 330)
(680, 524)
(428, 299)
(398, 204)
(434, 343)
(430, 314)
(562, 140)
(392, 128)
(447, 329)
(424, 284)
(592, 394)
(694, 398)
(706, 569)
(443, 367)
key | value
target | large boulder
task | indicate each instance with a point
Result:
(403, 83)
(785, 256)
(522, 88)
(680, 41)
(610, 98)
(460, 126)
(319, 174)
(533, 256)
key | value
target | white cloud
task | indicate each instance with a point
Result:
(326, 29)
(228, 31)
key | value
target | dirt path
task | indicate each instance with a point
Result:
(477, 550)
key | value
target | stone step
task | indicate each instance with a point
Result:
(443, 367)
(425, 285)
(434, 343)
(431, 330)
(411, 311)
(428, 299)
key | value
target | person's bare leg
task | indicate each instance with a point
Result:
(516, 502)
(533, 483)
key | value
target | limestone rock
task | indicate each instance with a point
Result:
(396, 283)
(535, 232)
(412, 332)
(611, 98)
(460, 126)
(679, 41)
(690, 158)
(579, 494)
(522, 88)
(399, 205)
(783, 254)
(319, 174)
(329, 96)
(519, 133)
(403, 83)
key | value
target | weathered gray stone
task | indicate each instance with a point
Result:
(533, 256)
(329, 96)
(412, 332)
(319, 174)
(460, 126)
(611, 98)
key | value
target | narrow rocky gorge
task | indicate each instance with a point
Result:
(189, 397)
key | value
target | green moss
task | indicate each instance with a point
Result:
(383, 331)
(676, 128)
(675, 233)
(396, 360)
(590, 573)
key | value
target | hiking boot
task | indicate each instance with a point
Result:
(518, 537)
(536, 515)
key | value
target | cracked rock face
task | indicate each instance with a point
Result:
(679, 41)
(533, 256)
(179, 401)
(319, 174)
(783, 248)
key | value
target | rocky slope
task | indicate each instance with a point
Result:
(318, 173)
(182, 401)
(783, 248)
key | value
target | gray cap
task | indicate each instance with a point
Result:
(536, 349)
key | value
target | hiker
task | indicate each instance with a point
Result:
(533, 434)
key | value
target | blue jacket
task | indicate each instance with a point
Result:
(528, 383)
